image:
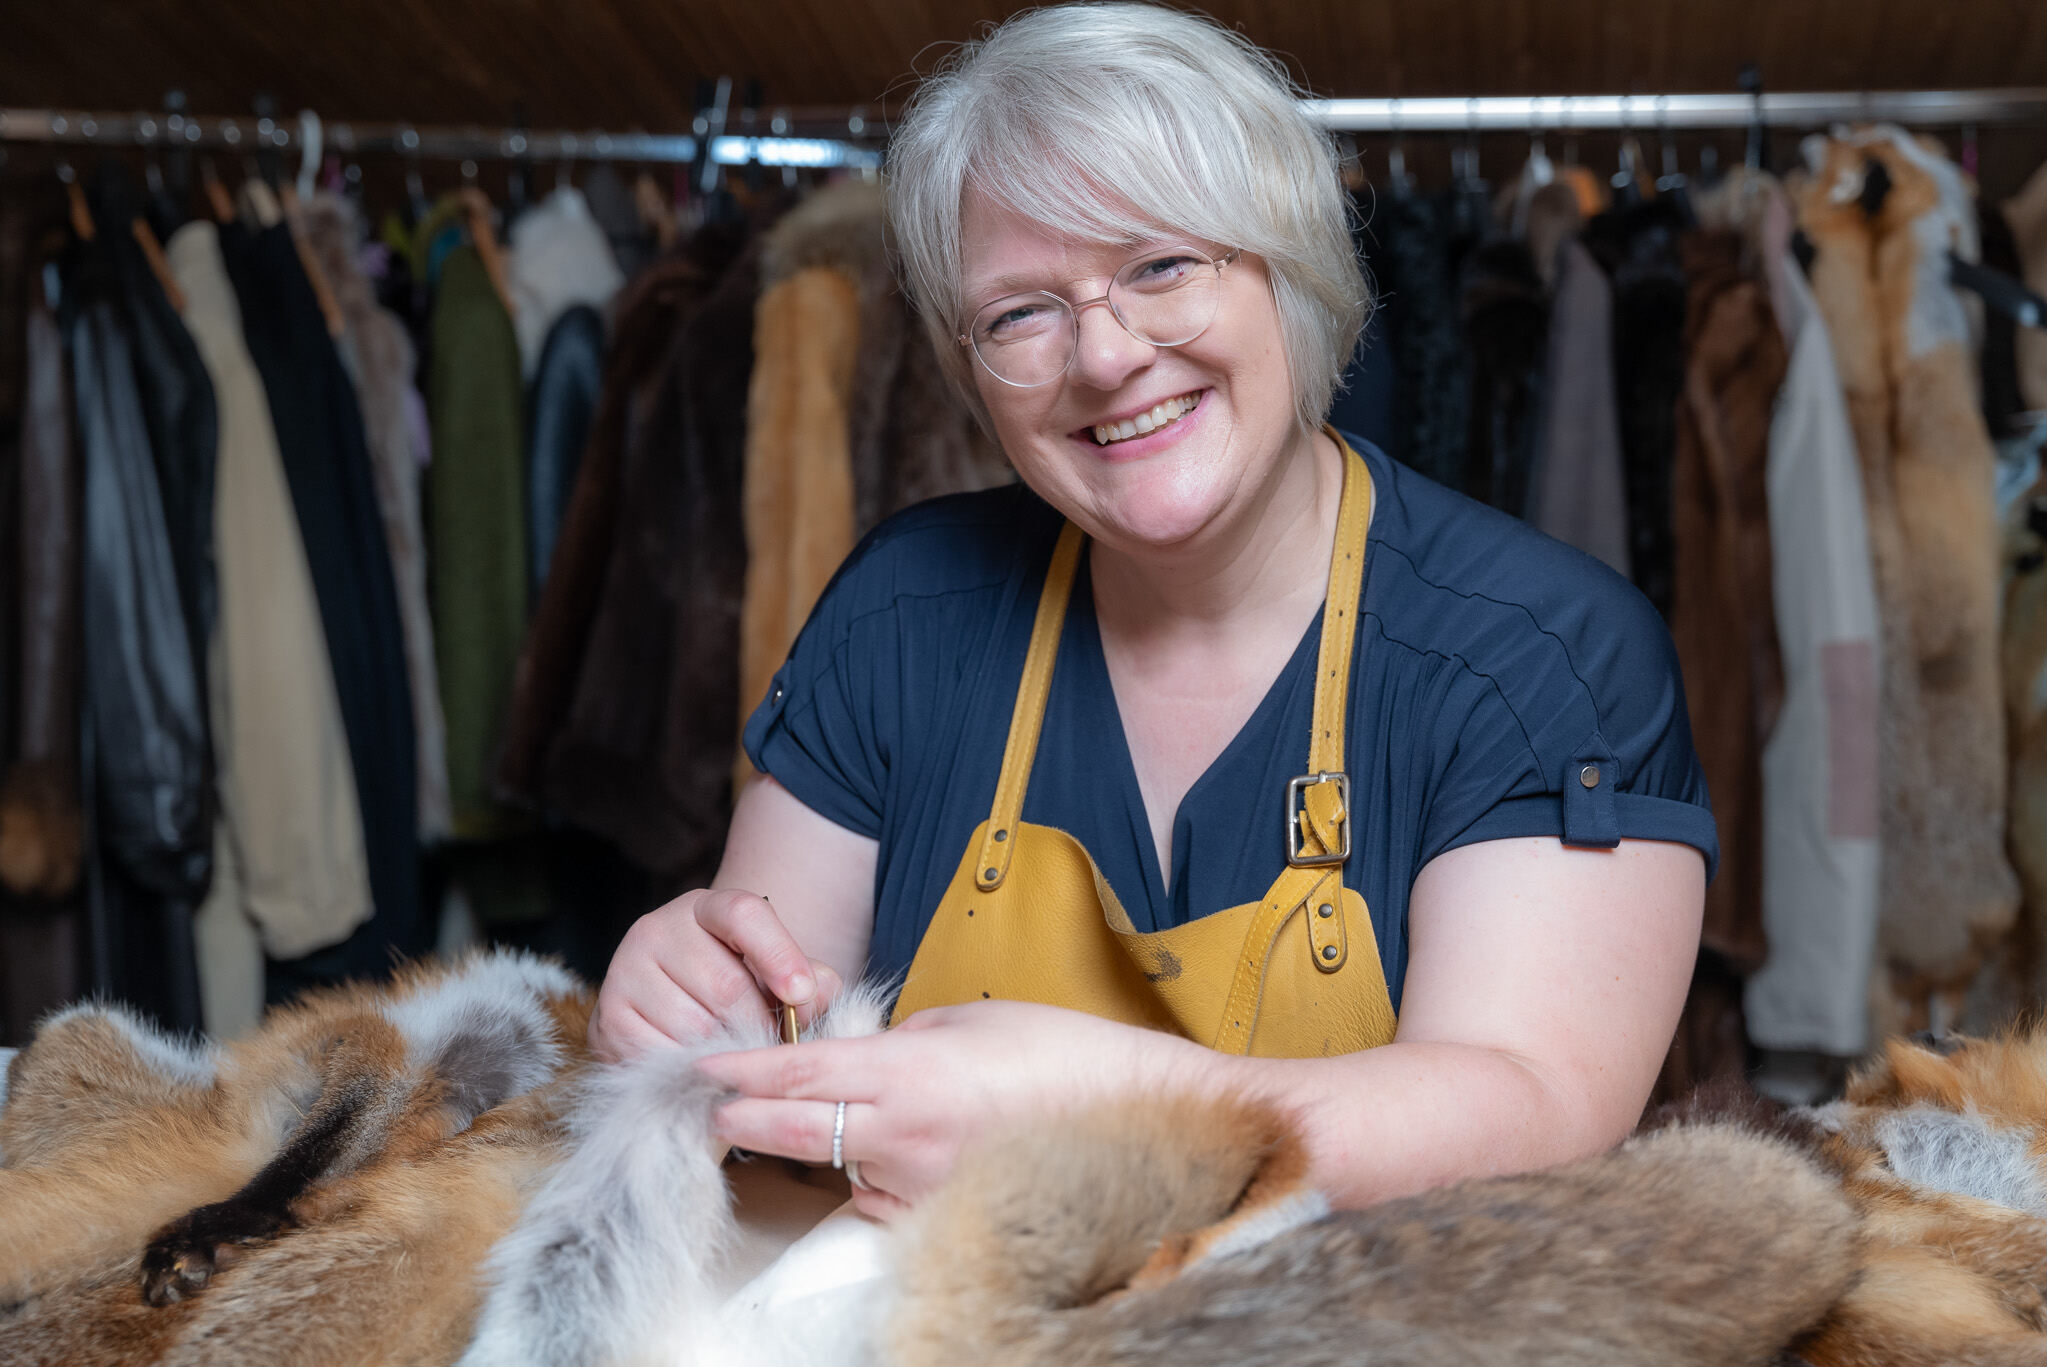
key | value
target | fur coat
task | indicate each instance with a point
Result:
(848, 419)
(380, 359)
(620, 720)
(1882, 211)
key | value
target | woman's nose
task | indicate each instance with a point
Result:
(1104, 352)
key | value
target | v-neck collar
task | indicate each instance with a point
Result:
(1092, 666)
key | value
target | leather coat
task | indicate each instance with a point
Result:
(40, 820)
(560, 406)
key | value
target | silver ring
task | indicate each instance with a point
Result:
(839, 1138)
(853, 1175)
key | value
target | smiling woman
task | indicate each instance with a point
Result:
(1221, 752)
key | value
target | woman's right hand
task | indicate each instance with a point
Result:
(705, 963)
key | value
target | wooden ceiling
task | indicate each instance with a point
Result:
(627, 64)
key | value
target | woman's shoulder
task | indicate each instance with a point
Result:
(944, 548)
(1456, 578)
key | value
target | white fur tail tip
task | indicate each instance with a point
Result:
(614, 1259)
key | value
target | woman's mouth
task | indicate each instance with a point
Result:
(1160, 415)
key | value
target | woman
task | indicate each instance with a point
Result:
(1428, 864)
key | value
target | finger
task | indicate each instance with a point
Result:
(680, 979)
(618, 1032)
(794, 1129)
(877, 1204)
(751, 929)
(815, 1070)
(829, 985)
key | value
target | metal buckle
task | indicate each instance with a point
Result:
(1297, 786)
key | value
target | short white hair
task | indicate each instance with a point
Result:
(1109, 122)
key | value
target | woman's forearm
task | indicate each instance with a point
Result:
(1409, 1116)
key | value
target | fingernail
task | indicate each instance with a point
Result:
(801, 989)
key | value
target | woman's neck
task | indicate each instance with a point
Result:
(1272, 557)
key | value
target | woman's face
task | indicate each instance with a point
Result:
(1168, 488)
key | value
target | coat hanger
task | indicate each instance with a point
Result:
(1757, 153)
(1399, 182)
(74, 195)
(481, 219)
(416, 203)
(218, 199)
(562, 168)
(1672, 176)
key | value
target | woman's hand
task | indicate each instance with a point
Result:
(919, 1092)
(706, 962)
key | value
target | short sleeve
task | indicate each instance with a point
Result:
(820, 730)
(877, 672)
(1570, 722)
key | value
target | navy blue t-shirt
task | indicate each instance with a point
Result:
(1495, 669)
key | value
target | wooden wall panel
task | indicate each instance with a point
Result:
(636, 63)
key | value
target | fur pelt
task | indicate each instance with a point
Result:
(1939, 1145)
(1901, 340)
(1696, 1245)
(331, 1189)
(613, 1260)
(320, 1191)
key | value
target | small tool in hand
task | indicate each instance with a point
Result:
(791, 1031)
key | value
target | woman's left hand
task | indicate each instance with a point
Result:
(919, 1092)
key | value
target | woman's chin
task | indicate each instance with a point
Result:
(1159, 520)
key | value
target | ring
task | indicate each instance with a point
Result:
(839, 1138)
(853, 1175)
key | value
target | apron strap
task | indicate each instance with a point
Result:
(1318, 802)
(992, 864)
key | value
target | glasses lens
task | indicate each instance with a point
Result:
(1025, 339)
(1167, 297)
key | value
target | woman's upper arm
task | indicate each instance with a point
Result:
(1575, 962)
(818, 875)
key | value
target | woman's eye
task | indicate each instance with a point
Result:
(1012, 324)
(1163, 270)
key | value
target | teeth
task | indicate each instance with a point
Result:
(1170, 411)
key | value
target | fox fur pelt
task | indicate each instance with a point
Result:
(322, 1191)
(1882, 212)
(435, 1172)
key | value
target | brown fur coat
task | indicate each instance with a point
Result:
(1901, 342)
(848, 419)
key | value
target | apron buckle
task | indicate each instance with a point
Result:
(1299, 823)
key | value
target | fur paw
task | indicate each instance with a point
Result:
(186, 1254)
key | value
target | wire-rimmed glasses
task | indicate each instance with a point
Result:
(1165, 297)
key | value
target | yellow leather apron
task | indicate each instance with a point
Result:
(1028, 916)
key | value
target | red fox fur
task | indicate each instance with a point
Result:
(433, 1172)
(394, 1134)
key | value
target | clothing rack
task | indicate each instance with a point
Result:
(1569, 113)
(779, 147)
(833, 138)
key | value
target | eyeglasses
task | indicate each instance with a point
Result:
(1166, 297)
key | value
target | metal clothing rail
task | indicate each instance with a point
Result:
(448, 143)
(854, 130)
(1811, 109)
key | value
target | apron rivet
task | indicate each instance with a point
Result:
(1589, 776)
(1325, 911)
(1329, 951)
(991, 874)
(1002, 835)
